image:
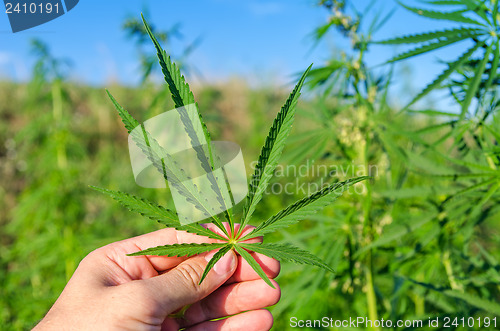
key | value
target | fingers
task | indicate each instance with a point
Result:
(143, 267)
(180, 286)
(255, 320)
(123, 268)
(230, 300)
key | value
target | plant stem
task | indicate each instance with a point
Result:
(449, 272)
(367, 202)
(370, 294)
(418, 299)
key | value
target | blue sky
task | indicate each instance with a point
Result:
(263, 41)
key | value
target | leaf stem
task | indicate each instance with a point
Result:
(449, 272)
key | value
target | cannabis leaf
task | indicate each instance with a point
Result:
(304, 208)
(155, 212)
(287, 252)
(481, 29)
(423, 37)
(268, 160)
(271, 151)
(178, 249)
(182, 96)
(452, 67)
(220, 253)
(164, 163)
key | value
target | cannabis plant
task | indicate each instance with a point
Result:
(413, 244)
(231, 238)
(479, 24)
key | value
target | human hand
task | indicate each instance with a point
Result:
(112, 291)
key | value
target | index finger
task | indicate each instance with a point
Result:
(137, 266)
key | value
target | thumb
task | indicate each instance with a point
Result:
(180, 286)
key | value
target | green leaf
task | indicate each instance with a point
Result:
(426, 48)
(456, 176)
(128, 120)
(455, 16)
(471, 188)
(226, 248)
(446, 73)
(479, 8)
(179, 249)
(466, 163)
(486, 305)
(396, 231)
(314, 144)
(435, 127)
(485, 197)
(320, 75)
(271, 151)
(494, 66)
(164, 163)
(422, 37)
(254, 264)
(304, 207)
(476, 80)
(143, 207)
(412, 192)
(431, 112)
(446, 2)
(156, 212)
(287, 252)
(182, 96)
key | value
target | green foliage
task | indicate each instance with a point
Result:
(179, 249)
(455, 16)
(303, 208)
(268, 160)
(483, 35)
(452, 67)
(423, 37)
(287, 252)
(155, 212)
(405, 247)
(271, 151)
(181, 94)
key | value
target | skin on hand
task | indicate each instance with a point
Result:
(112, 291)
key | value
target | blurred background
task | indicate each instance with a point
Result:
(419, 241)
